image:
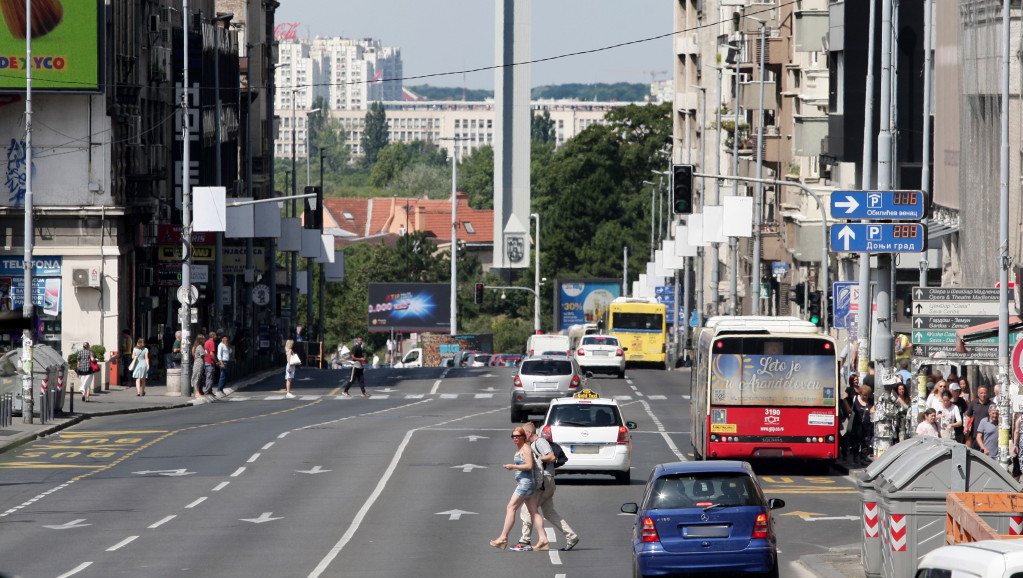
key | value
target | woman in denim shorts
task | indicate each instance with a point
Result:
(525, 492)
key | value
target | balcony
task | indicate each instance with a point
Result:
(751, 95)
(686, 100)
(687, 44)
(775, 149)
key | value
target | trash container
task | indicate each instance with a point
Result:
(870, 547)
(912, 494)
(174, 382)
(112, 368)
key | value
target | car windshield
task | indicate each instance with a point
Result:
(483, 358)
(612, 341)
(584, 415)
(547, 367)
(701, 490)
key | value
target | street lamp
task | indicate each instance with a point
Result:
(218, 282)
(536, 274)
(758, 199)
(309, 260)
(652, 203)
(454, 232)
(250, 276)
(307, 177)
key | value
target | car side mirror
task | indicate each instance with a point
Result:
(589, 374)
(775, 503)
(631, 425)
(630, 507)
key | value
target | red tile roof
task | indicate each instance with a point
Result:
(388, 215)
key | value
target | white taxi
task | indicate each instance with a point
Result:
(601, 354)
(592, 433)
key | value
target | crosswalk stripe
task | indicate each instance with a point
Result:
(484, 395)
(622, 397)
(449, 396)
(657, 397)
(415, 396)
(273, 397)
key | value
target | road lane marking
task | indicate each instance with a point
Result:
(449, 396)
(484, 396)
(163, 521)
(375, 495)
(657, 397)
(220, 486)
(555, 557)
(436, 385)
(197, 502)
(75, 570)
(238, 472)
(122, 543)
(267, 446)
(283, 434)
(252, 458)
(415, 396)
(664, 434)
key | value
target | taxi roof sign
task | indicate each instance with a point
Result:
(586, 394)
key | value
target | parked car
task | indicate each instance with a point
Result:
(540, 380)
(981, 559)
(479, 360)
(703, 517)
(592, 433)
(601, 354)
(498, 359)
(509, 360)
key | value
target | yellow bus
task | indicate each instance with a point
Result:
(640, 325)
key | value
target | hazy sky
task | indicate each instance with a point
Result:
(454, 35)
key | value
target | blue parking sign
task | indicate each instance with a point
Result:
(847, 304)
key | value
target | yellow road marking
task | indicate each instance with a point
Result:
(37, 465)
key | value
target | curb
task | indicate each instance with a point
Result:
(26, 437)
(821, 564)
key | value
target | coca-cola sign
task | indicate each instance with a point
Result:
(285, 31)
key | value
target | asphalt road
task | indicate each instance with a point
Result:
(406, 483)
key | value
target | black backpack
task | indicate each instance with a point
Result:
(560, 458)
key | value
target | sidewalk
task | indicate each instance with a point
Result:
(112, 401)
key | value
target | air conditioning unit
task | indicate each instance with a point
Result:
(85, 278)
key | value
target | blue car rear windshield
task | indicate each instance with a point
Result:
(688, 490)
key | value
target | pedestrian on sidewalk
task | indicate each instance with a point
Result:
(543, 454)
(211, 362)
(140, 359)
(223, 358)
(290, 367)
(862, 429)
(358, 358)
(85, 371)
(198, 365)
(167, 348)
(126, 347)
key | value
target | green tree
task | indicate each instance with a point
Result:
(374, 133)
(476, 177)
(422, 180)
(391, 160)
(541, 128)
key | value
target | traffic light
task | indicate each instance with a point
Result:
(682, 186)
(479, 293)
(797, 293)
(814, 308)
(313, 209)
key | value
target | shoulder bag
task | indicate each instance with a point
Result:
(92, 363)
(134, 359)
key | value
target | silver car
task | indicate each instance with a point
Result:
(540, 379)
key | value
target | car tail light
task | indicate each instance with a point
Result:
(649, 531)
(623, 434)
(545, 433)
(619, 353)
(760, 527)
(575, 382)
(581, 352)
(517, 382)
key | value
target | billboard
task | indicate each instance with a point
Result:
(579, 301)
(776, 380)
(409, 307)
(65, 46)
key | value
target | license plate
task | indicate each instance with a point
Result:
(601, 353)
(716, 531)
(585, 449)
(546, 385)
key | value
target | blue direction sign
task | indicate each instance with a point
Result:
(879, 237)
(879, 205)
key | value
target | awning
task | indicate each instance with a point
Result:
(984, 331)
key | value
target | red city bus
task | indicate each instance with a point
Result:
(764, 387)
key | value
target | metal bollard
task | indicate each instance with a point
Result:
(6, 409)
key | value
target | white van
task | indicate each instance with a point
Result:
(414, 358)
(983, 559)
(548, 345)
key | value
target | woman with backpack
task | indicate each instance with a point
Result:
(85, 370)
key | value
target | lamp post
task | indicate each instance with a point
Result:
(715, 273)
(758, 199)
(309, 260)
(250, 275)
(218, 281)
(184, 313)
(26, 307)
(323, 280)
(293, 259)
(454, 233)
(536, 274)
(652, 185)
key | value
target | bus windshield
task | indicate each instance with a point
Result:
(757, 371)
(637, 321)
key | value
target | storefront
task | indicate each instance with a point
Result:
(47, 293)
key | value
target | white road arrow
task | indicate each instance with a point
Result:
(69, 525)
(849, 204)
(473, 438)
(845, 234)
(181, 472)
(455, 514)
(467, 467)
(264, 517)
(387, 390)
(918, 321)
(488, 375)
(832, 518)
(315, 470)
(491, 388)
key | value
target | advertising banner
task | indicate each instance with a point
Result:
(777, 380)
(65, 46)
(409, 307)
(579, 301)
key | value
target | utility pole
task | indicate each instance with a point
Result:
(536, 275)
(1004, 394)
(218, 280)
(27, 308)
(293, 302)
(863, 314)
(758, 200)
(733, 242)
(250, 276)
(309, 260)
(323, 279)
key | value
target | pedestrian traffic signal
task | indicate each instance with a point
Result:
(797, 293)
(479, 293)
(682, 186)
(313, 218)
(814, 308)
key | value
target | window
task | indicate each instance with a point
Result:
(547, 367)
(468, 228)
(691, 490)
(348, 216)
(601, 340)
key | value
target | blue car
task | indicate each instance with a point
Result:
(702, 518)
